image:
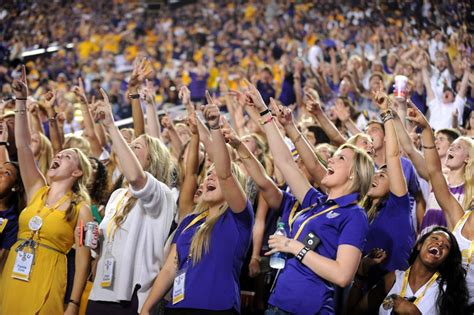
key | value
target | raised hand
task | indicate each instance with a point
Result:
(211, 112)
(381, 99)
(141, 70)
(342, 112)
(415, 116)
(313, 105)
(149, 92)
(102, 110)
(255, 96)
(231, 137)
(79, 91)
(283, 114)
(20, 86)
(192, 123)
(185, 95)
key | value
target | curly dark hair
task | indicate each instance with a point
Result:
(99, 190)
(17, 199)
(454, 299)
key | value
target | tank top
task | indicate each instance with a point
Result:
(426, 305)
(467, 250)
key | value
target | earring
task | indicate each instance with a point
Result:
(351, 177)
(13, 189)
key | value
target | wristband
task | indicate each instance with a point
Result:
(266, 121)
(428, 148)
(54, 117)
(266, 111)
(74, 302)
(4, 143)
(302, 253)
(215, 128)
(257, 258)
(20, 111)
(20, 98)
(134, 96)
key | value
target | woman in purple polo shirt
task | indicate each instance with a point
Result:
(388, 207)
(210, 245)
(306, 284)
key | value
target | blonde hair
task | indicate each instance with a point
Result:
(79, 189)
(202, 237)
(80, 143)
(45, 154)
(353, 140)
(468, 173)
(159, 166)
(264, 157)
(362, 170)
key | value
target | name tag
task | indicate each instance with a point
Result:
(178, 287)
(108, 272)
(3, 224)
(22, 267)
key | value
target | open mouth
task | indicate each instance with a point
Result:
(330, 171)
(374, 184)
(210, 187)
(55, 165)
(449, 156)
(434, 251)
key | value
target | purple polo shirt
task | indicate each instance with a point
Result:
(213, 283)
(298, 289)
(391, 230)
(9, 235)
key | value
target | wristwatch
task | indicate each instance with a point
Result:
(5, 143)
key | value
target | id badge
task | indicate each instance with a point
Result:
(22, 267)
(3, 224)
(108, 272)
(178, 286)
(108, 268)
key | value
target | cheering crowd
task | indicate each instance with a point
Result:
(351, 128)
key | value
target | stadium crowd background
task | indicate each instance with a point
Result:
(337, 54)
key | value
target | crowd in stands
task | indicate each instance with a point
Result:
(350, 124)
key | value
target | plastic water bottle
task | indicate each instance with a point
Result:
(277, 260)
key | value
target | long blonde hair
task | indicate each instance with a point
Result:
(159, 166)
(468, 173)
(201, 239)
(45, 154)
(363, 169)
(78, 142)
(79, 189)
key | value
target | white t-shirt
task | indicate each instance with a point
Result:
(315, 56)
(138, 244)
(441, 115)
(438, 79)
(426, 305)
(464, 246)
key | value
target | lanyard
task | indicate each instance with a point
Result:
(314, 216)
(111, 221)
(196, 219)
(427, 286)
(471, 246)
(58, 203)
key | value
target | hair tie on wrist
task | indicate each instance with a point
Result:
(428, 148)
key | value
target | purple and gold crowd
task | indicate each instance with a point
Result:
(236, 157)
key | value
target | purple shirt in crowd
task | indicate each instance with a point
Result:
(391, 230)
(198, 86)
(298, 289)
(213, 283)
(9, 235)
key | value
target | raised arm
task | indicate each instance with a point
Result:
(34, 119)
(4, 157)
(314, 108)
(154, 128)
(30, 173)
(298, 183)
(453, 210)
(141, 70)
(89, 129)
(269, 190)
(426, 80)
(310, 159)
(407, 145)
(190, 181)
(55, 134)
(176, 142)
(344, 115)
(398, 185)
(233, 193)
(132, 171)
(465, 79)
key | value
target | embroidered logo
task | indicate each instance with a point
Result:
(332, 215)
